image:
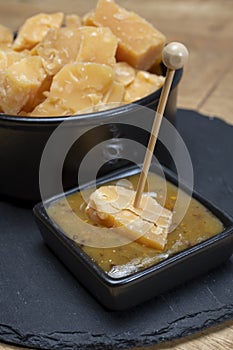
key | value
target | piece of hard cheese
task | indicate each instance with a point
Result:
(140, 44)
(35, 28)
(112, 206)
(21, 82)
(59, 47)
(115, 94)
(124, 73)
(97, 45)
(144, 84)
(75, 87)
(7, 58)
(73, 21)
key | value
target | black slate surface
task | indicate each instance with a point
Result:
(42, 305)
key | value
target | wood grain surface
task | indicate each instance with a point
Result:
(206, 27)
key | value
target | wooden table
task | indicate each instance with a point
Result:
(206, 27)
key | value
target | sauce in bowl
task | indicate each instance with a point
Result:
(198, 225)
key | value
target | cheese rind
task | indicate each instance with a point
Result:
(140, 44)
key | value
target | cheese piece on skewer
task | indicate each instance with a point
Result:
(112, 206)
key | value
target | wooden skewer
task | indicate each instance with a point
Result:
(174, 56)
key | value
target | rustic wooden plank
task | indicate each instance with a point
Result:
(198, 84)
(9, 347)
(219, 101)
(219, 338)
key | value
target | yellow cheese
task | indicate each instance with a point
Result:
(75, 87)
(156, 68)
(124, 73)
(144, 84)
(43, 48)
(21, 83)
(73, 21)
(115, 94)
(39, 96)
(59, 47)
(35, 28)
(3, 59)
(112, 99)
(7, 58)
(139, 42)
(112, 206)
(88, 20)
(6, 37)
(3, 67)
(97, 45)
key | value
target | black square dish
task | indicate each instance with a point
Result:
(124, 292)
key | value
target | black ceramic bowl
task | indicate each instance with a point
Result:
(22, 141)
(122, 293)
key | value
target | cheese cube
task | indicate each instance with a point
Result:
(7, 58)
(115, 94)
(35, 28)
(124, 73)
(139, 42)
(144, 84)
(21, 82)
(97, 45)
(75, 87)
(73, 21)
(59, 47)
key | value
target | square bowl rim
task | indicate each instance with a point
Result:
(41, 214)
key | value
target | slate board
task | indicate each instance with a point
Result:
(43, 306)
